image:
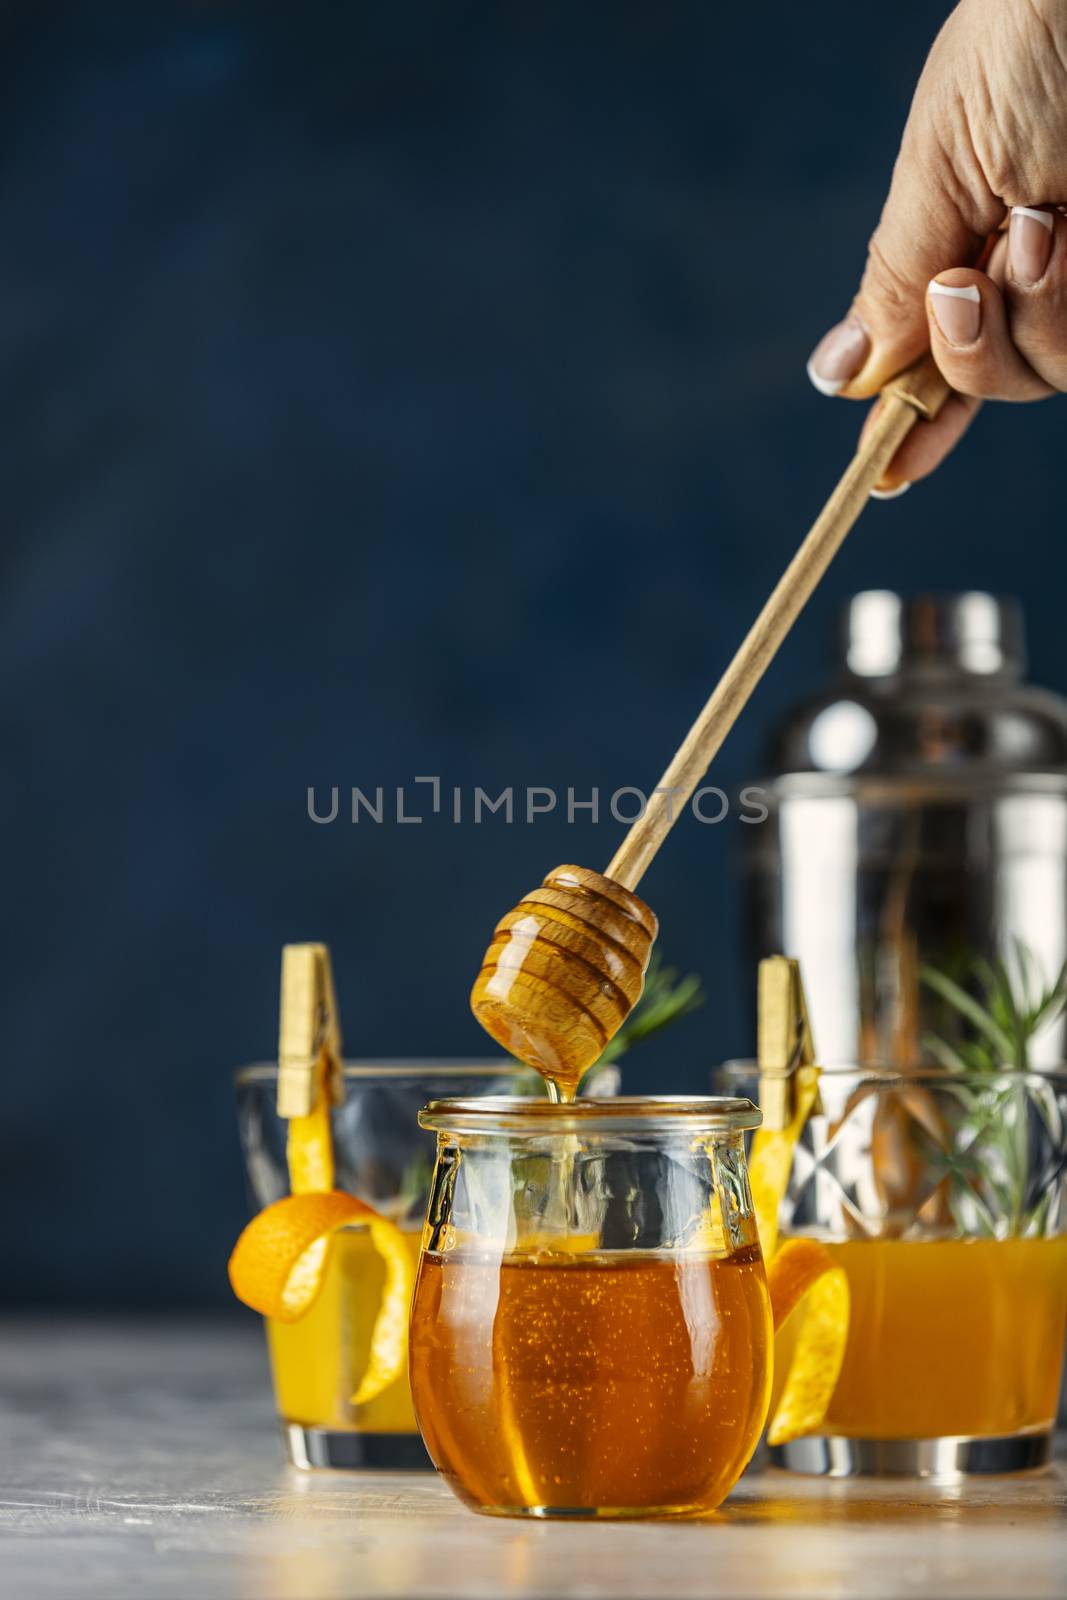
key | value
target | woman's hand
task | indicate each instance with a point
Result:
(970, 256)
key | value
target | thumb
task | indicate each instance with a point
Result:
(926, 226)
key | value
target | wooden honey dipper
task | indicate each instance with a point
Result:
(567, 965)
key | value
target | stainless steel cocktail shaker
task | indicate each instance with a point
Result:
(917, 827)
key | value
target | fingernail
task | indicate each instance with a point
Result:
(1029, 244)
(890, 494)
(958, 312)
(839, 355)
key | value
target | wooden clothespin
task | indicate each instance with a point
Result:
(784, 1039)
(309, 1031)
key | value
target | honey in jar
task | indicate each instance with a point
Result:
(615, 1382)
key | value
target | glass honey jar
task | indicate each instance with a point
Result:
(591, 1329)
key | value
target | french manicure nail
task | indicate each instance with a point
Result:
(1029, 244)
(958, 312)
(890, 494)
(839, 355)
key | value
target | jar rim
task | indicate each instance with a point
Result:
(622, 1113)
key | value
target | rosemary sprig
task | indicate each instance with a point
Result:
(1011, 1010)
(1005, 1009)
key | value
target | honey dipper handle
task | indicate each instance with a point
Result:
(920, 391)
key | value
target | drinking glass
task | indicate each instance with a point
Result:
(590, 1331)
(384, 1157)
(944, 1196)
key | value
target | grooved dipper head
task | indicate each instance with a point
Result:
(564, 971)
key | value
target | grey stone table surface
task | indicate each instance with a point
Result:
(141, 1460)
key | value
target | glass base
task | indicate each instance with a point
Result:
(593, 1513)
(836, 1457)
(346, 1451)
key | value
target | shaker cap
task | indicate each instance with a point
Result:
(970, 632)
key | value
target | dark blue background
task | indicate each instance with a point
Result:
(393, 390)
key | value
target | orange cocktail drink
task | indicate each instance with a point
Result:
(942, 1195)
(319, 1362)
(950, 1337)
(340, 1366)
